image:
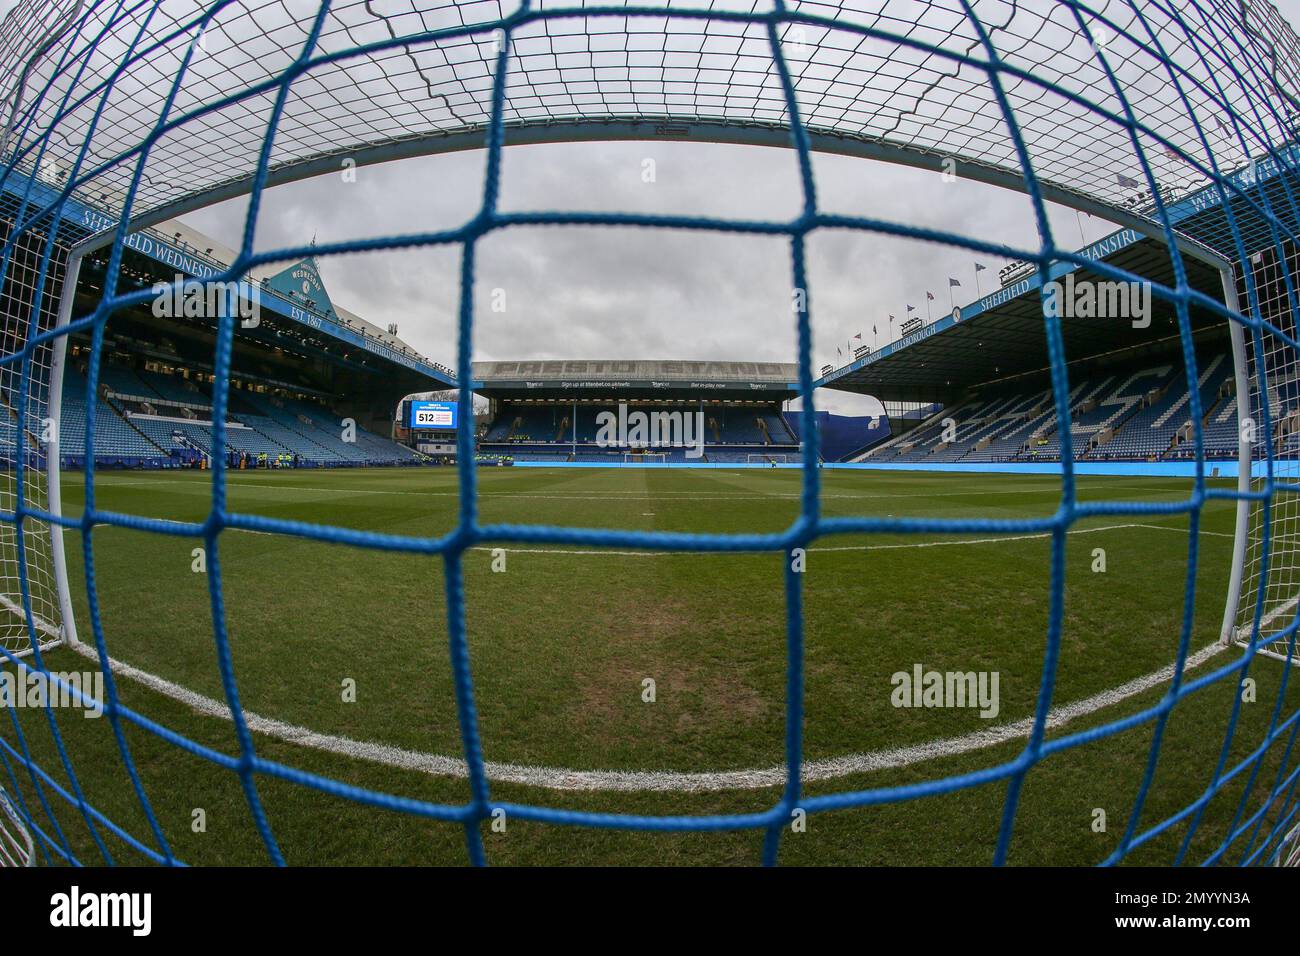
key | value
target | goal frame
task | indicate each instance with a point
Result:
(17, 848)
(632, 458)
(1186, 246)
(1239, 626)
(1241, 382)
(625, 129)
(1078, 185)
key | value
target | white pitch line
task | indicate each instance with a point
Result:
(628, 781)
(596, 552)
(611, 496)
(847, 547)
(560, 778)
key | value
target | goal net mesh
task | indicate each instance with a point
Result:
(128, 113)
(27, 298)
(1271, 578)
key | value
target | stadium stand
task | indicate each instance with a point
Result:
(541, 430)
(533, 422)
(117, 442)
(146, 419)
(153, 401)
(1156, 429)
(1131, 414)
(843, 437)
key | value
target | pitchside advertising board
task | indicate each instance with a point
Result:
(426, 415)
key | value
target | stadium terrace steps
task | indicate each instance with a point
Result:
(1091, 417)
(1228, 414)
(162, 431)
(115, 436)
(1000, 425)
(128, 418)
(1139, 414)
(1073, 402)
(1153, 431)
(150, 420)
(292, 423)
(537, 424)
(284, 438)
(1183, 399)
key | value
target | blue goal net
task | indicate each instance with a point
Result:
(1177, 120)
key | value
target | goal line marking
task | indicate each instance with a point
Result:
(594, 552)
(560, 778)
(637, 781)
(610, 496)
(847, 547)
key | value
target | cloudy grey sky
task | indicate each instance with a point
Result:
(634, 293)
(573, 292)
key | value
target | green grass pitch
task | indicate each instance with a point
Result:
(563, 640)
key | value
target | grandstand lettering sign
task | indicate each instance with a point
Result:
(1256, 172)
(311, 320)
(622, 385)
(149, 243)
(581, 376)
(641, 372)
(207, 298)
(302, 283)
(310, 280)
(1106, 246)
(902, 343)
(1109, 245)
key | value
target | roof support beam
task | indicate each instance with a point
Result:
(668, 130)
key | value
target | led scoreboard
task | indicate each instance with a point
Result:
(431, 415)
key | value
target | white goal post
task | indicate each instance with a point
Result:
(1255, 575)
(121, 123)
(161, 198)
(1264, 586)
